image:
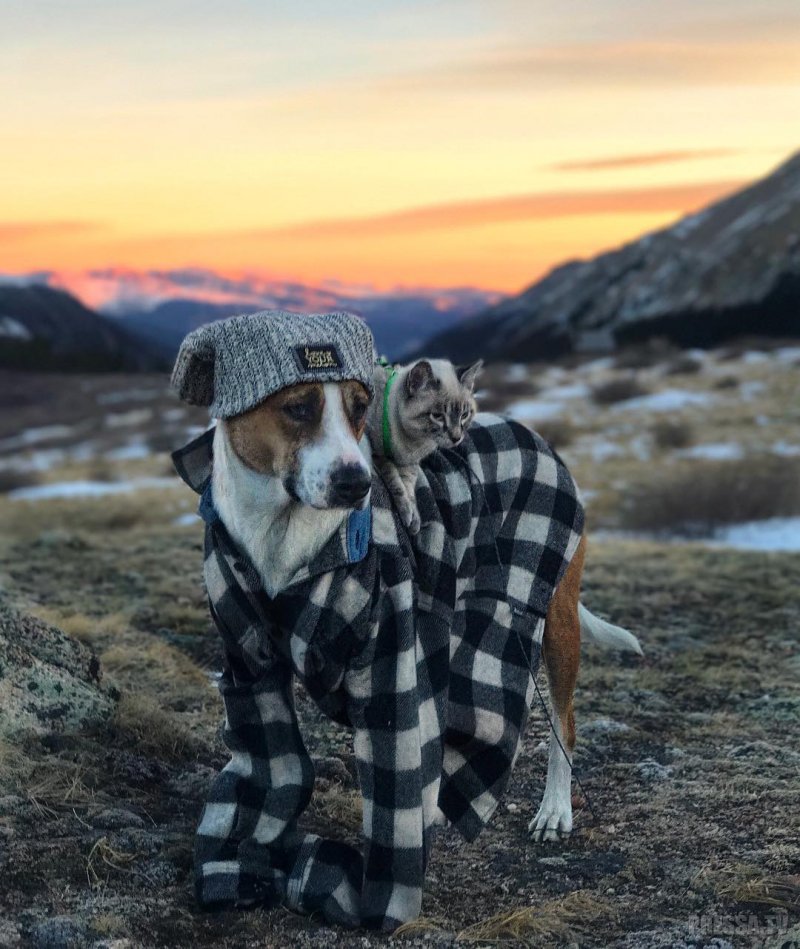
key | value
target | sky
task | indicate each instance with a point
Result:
(380, 142)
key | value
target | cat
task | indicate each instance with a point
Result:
(429, 405)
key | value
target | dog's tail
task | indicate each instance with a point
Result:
(601, 633)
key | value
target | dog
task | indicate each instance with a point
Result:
(286, 475)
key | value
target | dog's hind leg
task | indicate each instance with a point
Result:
(561, 648)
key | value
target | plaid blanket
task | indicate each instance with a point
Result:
(423, 645)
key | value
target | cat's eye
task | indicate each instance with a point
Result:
(437, 417)
(465, 415)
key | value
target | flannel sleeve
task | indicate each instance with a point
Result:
(248, 847)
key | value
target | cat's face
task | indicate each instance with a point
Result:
(438, 400)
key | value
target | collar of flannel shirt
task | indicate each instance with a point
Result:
(349, 545)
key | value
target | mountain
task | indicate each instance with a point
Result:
(161, 306)
(731, 269)
(43, 328)
(399, 324)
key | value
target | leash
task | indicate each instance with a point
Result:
(553, 734)
(386, 429)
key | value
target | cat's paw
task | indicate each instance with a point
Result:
(415, 523)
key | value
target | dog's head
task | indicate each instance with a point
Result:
(307, 436)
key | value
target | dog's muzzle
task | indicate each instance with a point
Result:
(349, 485)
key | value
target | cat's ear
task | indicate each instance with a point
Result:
(469, 373)
(420, 376)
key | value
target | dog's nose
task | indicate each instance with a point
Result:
(349, 484)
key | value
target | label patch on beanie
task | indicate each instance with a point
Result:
(318, 358)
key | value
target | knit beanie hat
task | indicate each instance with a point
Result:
(232, 365)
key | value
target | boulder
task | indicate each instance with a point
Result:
(49, 682)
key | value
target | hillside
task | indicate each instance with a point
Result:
(730, 269)
(43, 328)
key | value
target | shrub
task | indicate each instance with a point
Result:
(672, 433)
(684, 365)
(618, 390)
(726, 382)
(558, 431)
(699, 496)
(11, 479)
(645, 355)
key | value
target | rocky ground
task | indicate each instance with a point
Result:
(688, 827)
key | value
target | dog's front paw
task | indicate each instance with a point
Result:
(553, 821)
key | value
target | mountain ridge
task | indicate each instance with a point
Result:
(729, 269)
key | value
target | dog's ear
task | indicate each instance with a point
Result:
(193, 374)
(469, 373)
(419, 377)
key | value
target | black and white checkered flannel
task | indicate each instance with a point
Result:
(423, 645)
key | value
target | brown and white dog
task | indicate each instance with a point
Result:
(285, 475)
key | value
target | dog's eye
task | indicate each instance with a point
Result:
(299, 411)
(359, 410)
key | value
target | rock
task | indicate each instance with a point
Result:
(59, 932)
(115, 818)
(602, 726)
(651, 770)
(48, 681)
(9, 934)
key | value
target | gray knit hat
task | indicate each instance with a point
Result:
(234, 364)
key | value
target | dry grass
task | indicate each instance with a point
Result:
(558, 919)
(702, 495)
(151, 666)
(140, 723)
(341, 807)
(88, 629)
(103, 859)
(618, 389)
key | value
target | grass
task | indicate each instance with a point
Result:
(139, 722)
(699, 496)
(559, 432)
(557, 919)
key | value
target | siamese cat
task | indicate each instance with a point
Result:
(429, 405)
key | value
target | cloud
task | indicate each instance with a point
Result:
(630, 64)
(634, 161)
(26, 230)
(678, 198)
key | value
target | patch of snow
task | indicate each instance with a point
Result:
(747, 390)
(775, 533)
(787, 354)
(126, 419)
(32, 436)
(174, 415)
(575, 391)
(132, 451)
(86, 489)
(716, 451)
(786, 449)
(535, 410)
(518, 372)
(13, 329)
(754, 358)
(127, 395)
(669, 400)
(597, 365)
(186, 520)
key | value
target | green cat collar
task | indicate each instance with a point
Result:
(386, 428)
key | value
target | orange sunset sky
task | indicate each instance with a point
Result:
(383, 143)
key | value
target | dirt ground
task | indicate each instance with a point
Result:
(689, 757)
(688, 828)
